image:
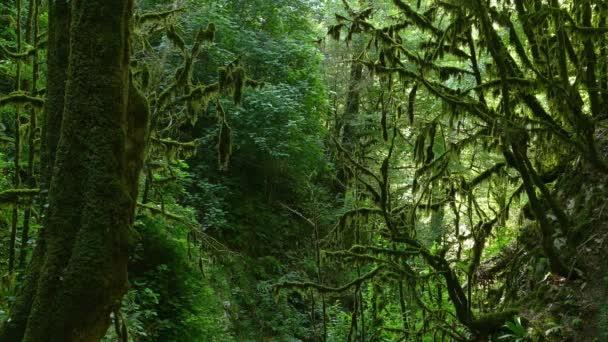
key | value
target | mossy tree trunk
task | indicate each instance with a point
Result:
(57, 68)
(78, 272)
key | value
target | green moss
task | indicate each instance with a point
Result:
(88, 200)
(14, 195)
(487, 324)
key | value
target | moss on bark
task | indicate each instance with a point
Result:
(57, 66)
(79, 273)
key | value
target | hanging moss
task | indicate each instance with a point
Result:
(335, 31)
(176, 39)
(224, 146)
(383, 119)
(137, 141)
(410, 102)
(419, 20)
(232, 79)
(238, 84)
(207, 35)
(172, 150)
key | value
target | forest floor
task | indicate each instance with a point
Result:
(575, 309)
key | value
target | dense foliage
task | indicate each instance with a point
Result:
(335, 170)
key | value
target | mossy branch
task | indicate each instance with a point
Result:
(5, 139)
(475, 108)
(155, 16)
(358, 258)
(483, 176)
(12, 196)
(383, 251)
(171, 149)
(299, 214)
(420, 21)
(174, 143)
(328, 289)
(372, 191)
(519, 82)
(17, 98)
(164, 213)
(207, 240)
(588, 30)
(362, 168)
(201, 94)
(14, 55)
(357, 212)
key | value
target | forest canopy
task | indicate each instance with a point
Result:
(303, 170)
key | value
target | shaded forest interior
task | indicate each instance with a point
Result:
(303, 170)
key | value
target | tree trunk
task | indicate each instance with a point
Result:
(57, 68)
(352, 106)
(79, 269)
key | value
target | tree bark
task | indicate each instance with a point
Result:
(352, 106)
(57, 67)
(79, 269)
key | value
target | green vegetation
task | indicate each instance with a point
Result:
(303, 170)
